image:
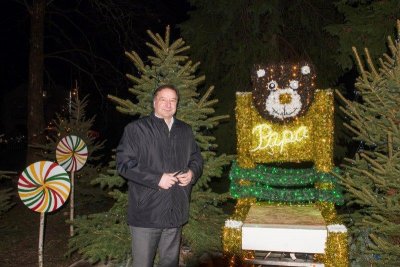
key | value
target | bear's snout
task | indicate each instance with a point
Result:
(285, 98)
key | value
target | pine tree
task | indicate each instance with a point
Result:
(105, 236)
(372, 178)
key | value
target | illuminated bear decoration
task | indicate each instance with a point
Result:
(284, 118)
(281, 93)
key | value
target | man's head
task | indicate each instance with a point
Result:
(165, 100)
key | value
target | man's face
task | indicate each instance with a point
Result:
(165, 103)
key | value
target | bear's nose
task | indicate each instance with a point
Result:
(285, 99)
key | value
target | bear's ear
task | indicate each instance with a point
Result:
(305, 70)
(257, 73)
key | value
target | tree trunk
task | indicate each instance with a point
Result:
(35, 123)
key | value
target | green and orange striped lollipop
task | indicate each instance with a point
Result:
(71, 153)
(44, 186)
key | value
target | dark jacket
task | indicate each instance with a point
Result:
(146, 151)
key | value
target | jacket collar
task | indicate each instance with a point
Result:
(161, 120)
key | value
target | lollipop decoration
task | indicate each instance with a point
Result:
(43, 187)
(71, 154)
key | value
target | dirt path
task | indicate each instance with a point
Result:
(19, 231)
(19, 238)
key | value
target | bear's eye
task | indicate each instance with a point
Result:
(294, 84)
(272, 85)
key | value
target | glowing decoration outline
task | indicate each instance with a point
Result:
(272, 139)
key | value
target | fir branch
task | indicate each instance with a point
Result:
(360, 65)
(134, 57)
(372, 162)
(371, 64)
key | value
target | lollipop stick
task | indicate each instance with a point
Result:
(71, 206)
(41, 232)
(43, 186)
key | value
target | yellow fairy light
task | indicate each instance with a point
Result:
(242, 208)
(244, 182)
(336, 250)
(328, 211)
(232, 240)
(324, 186)
(232, 237)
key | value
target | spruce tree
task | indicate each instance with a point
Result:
(105, 236)
(372, 177)
(365, 23)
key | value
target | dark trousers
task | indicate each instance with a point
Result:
(146, 241)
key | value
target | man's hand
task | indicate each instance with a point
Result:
(185, 178)
(167, 180)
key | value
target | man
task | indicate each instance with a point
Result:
(161, 161)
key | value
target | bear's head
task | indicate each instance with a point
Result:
(283, 92)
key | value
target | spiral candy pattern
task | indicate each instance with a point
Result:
(44, 186)
(71, 153)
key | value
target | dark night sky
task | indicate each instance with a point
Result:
(14, 45)
(87, 30)
(93, 34)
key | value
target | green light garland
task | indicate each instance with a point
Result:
(274, 184)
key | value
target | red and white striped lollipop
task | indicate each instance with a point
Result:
(71, 153)
(44, 186)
